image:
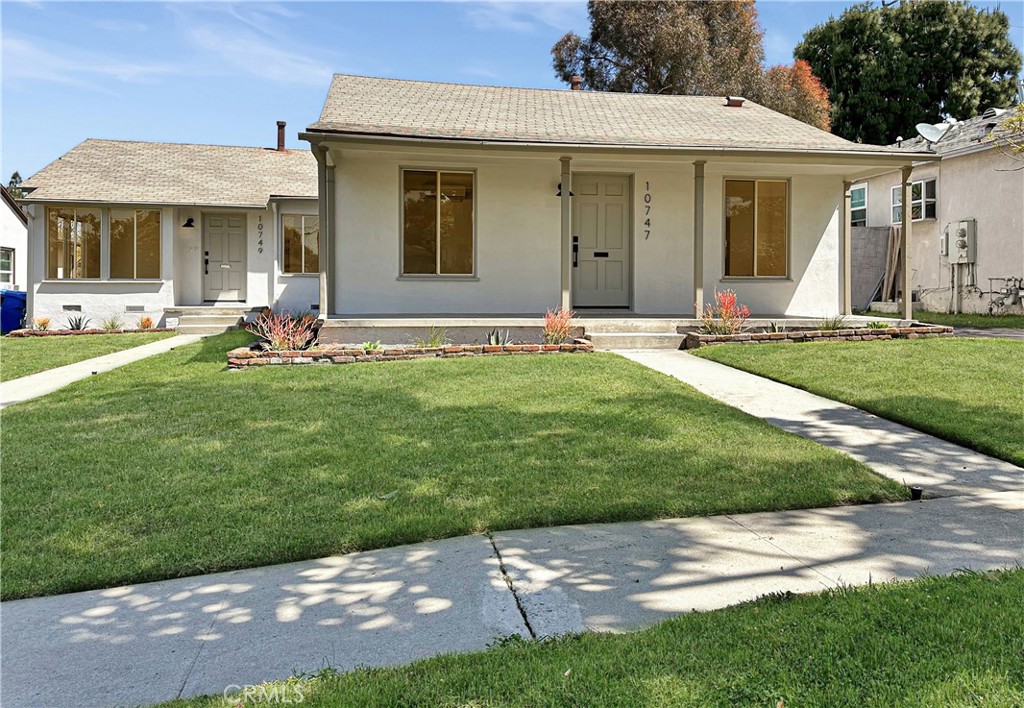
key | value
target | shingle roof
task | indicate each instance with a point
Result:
(126, 172)
(419, 109)
(973, 132)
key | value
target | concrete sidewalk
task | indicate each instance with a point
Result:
(36, 385)
(153, 642)
(893, 450)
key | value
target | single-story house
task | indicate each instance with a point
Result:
(976, 187)
(13, 243)
(134, 229)
(434, 200)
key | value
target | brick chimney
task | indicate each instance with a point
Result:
(576, 83)
(734, 101)
(280, 135)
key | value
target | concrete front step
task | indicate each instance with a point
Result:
(211, 320)
(652, 325)
(205, 328)
(636, 340)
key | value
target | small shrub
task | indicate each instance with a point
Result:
(145, 322)
(496, 338)
(371, 346)
(41, 324)
(438, 337)
(113, 322)
(282, 331)
(558, 324)
(78, 323)
(774, 326)
(878, 325)
(726, 316)
(829, 324)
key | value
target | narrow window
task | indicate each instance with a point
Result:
(72, 243)
(756, 228)
(7, 265)
(437, 228)
(135, 244)
(859, 205)
(300, 243)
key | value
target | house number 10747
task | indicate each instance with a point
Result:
(259, 234)
(647, 210)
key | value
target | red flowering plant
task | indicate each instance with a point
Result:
(558, 324)
(726, 316)
(283, 331)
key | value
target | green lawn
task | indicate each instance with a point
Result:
(936, 642)
(960, 320)
(21, 356)
(175, 466)
(968, 391)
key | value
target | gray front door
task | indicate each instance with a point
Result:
(224, 247)
(601, 223)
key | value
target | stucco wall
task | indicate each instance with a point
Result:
(981, 185)
(14, 234)
(518, 230)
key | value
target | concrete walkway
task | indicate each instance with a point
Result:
(997, 332)
(893, 450)
(36, 385)
(153, 642)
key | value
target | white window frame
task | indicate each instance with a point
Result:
(437, 274)
(135, 241)
(896, 201)
(853, 210)
(9, 279)
(302, 232)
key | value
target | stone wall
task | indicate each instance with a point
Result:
(246, 357)
(860, 334)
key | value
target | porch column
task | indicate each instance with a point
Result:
(847, 237)
(566, 234)
(905, 233)
(320, 153)
(331, 240)
(698, 237)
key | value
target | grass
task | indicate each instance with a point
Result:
(21, 356)
(959, 320)
(935, 642)
(967, 391)
(174, 466)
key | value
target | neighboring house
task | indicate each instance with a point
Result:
(444, 199)
(133, 228)
(975, 186)
(13, 244)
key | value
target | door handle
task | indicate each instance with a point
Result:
(206, 266)
(575, 251)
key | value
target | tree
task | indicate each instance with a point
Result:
(797, 92)
(692, 48)
(14, 186)
(889, 68)
(1009, 134)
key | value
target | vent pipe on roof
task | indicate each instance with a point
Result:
(734, 101)
(577, 83)
(280, 135)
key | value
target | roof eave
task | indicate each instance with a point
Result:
(131, 202)
(315, 136)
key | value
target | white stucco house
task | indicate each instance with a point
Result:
(975, 187)
(13, 243)
(426, 202)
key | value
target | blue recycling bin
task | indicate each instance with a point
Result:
(12, 310)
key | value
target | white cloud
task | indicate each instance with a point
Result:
(249, 53)
(523, 16)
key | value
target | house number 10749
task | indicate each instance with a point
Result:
(647, 210)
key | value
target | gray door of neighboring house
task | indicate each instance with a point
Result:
(224, 247)
(602, 228)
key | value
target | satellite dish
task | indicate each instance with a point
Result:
(932, 133)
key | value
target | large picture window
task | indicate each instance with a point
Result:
(859, 205)
(437, 223)
(922, 201)
(756, 228)
(135, 244)
(72, 243)
(300, 243)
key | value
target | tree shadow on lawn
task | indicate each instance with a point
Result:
(289, 464)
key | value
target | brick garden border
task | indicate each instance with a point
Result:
(339, 354)
(77, 332)
(695, 340)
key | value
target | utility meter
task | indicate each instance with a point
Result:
(963, 241)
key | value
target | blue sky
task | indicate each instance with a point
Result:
(224, 73)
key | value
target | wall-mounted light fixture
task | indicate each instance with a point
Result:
(560, 191)
(190, 223)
